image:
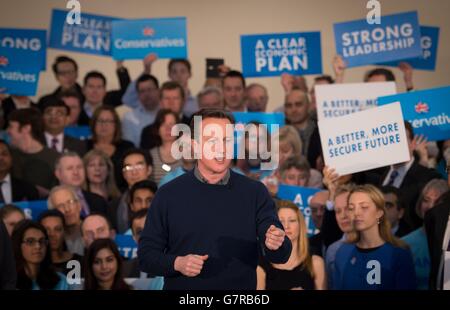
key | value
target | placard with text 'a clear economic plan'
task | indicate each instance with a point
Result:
(335, 100)
(396, 38)
(365, 140)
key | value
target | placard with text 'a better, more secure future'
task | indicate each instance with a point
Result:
(335, 100)
(365, 140)
(273, 54)
(396, 38)
(134, 39)
(22, 57)
(427, 110)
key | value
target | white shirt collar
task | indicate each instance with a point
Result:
(7, 179)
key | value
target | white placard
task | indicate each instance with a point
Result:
(365, 140)
(335, 100)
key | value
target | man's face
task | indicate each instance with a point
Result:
(16, 134)
(210, 101)
(55, 119)
(135, 169)
(66, 74)
(296, 107)
(75, 109)
(64, 201)
(94, 90)
(317, 205)
(341, 211)
(172, 99)
(180, 73)
(141, 199)
(71, 171)
(257, 99)
(5, 159)
(233, 93)
(148, 94)
(95, 227)
(215, 144)
(137, 227)
(393, 213)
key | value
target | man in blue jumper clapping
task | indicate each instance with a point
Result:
(205, 228)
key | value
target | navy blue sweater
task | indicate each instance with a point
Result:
(224, 221)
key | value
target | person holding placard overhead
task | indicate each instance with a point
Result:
(204, 229)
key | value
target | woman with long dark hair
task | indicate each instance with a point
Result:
(33, 260)
(103, 267)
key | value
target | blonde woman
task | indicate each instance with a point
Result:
(100, 175)
(373, 259)
(302, 271)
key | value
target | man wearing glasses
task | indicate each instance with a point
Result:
(64, 199)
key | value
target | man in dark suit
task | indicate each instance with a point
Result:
(69, 170)
(436, 225)
(7, 265)
(56, 117)
(409, 177)
(13, 189)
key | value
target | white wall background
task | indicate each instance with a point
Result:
(214, 27)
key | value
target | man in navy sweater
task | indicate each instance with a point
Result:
(204, 229)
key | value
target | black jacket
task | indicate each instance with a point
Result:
(23, 191)
(97, 204)
(7, 265)
(435, 225)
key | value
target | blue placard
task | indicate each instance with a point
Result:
(396, 38)
(429, 42)
(92, 36)
(79, 132)
(296, 53)
(428, 111)
(32, 209)
(134, 39)
(28, 46)
(21, 82)
(127, 246)
(301, 196)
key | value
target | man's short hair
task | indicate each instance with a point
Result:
(58, 188)
(183, 61)
(396, 192)
(298, 162)
(326, 78)
(29, 116)
(55, 103)
(146, 77)
(390, 77)
(70, 93)
(96, 214)
(209, 90)
(137, 215)
(52, 213)
(209, 113)
(96, 75)
(64, 155)
(234, 74)
(8, 209)
(171, 85)
(144, 184)
(61, 59)
(135, 151)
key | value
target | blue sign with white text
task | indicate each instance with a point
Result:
(428, 111)
(134, 39)
(296, 53)
(92, 36)
(22, 57)
(127, 246)
(261, 118)
(396, 38)
(32, 209)
(301, 196)
(429, 42)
